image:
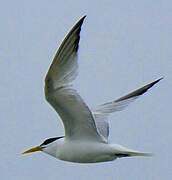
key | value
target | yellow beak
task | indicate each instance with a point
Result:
(37, 148)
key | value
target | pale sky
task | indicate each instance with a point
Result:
(124, 45)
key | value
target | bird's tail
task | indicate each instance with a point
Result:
(125, 152)
(136, 153)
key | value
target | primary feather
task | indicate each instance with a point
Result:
(102, 111)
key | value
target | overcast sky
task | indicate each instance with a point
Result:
(124, 45)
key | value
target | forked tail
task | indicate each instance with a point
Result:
(125, 152)
(129, 154)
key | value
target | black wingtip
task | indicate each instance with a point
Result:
(139, 91)
(154, 82)
(84, 16)
(81, 20)
(148, 86)
(78, 27)
(159, 79)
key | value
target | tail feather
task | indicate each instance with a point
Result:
(125, 152)
(134, 153)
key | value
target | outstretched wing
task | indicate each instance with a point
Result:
(121, 103)
(75, 114)
(102, 111)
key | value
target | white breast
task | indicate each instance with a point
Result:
(84, 152)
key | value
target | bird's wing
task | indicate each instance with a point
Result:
(124, 101)
(102, 124)
(102, 111)
(77, 118)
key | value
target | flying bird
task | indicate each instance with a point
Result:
(86, 130)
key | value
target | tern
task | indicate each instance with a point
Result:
(86, 130)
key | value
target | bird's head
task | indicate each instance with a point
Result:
(47, 146)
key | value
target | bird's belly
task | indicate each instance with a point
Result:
(86, 152)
